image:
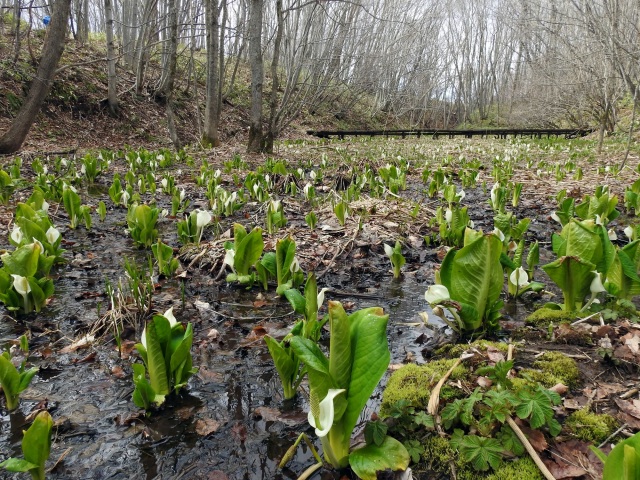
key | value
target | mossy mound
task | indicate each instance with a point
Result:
(589, 426)
(522, 468)
(544, 316)
(557, 368)
(454, 350)
(438, 456)
(414, 383)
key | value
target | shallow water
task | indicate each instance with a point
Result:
(232, 419)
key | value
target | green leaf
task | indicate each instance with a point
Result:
(25, 379)
(143, 394)
(23, 261)
(375, 432)
(573, 276)
(17, 465)
(623, 455)
(474, 277)
(36, 443)
(369, 460)
(536, 406)
(370, 359)
(296, 300)
(510, 441)
(481, 452)
(285, 364)
(156, 361)
(340, 353)
(248, 251)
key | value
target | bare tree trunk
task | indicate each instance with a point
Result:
(169, 72)
(633, 121)
(16, 20)
(210, 136)
(52, 50)
(112, 79)
(272, 131)
(256, 135)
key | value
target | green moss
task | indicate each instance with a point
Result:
(557, 365)
(589, 426)
(454, 350)
(522, 468)
(438, 455)
(544, 316)
(414, 383)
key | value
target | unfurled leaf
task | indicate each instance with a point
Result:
(481, 452)
(369, 460)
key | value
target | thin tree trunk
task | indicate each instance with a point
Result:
(16, 20)
(112, 79)
(52, 50)
(256, 135)
(272, 131)
(633, 121)
(210, 136)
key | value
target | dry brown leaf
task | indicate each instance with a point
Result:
(206, 426)
(559, 388)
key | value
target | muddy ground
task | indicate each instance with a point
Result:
(232, 421)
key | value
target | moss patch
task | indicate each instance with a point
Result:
(589, 426)
(414, 383)
(438, 454)
(544, 316)
(522, 468)
(454, 350)
(557, 368)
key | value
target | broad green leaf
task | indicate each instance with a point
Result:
(25, 379)
(36, 443)
(248, 251)
(180, 362)
(285, 253)
(143, 394)
(573, 276)
(269, 263)
(474, 276)
(23, 261)
(617, 463)
(369, 460)
(340, 352)
(370, 359)
(17, 465)
(156, 362)
(535, 406)
(296, 300)
(285, 364)
(581, 241)
(311, 298)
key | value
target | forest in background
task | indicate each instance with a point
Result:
(414, 63)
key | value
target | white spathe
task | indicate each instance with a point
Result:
(324, 422)
(436, 294)
(52, 235)
(16, 235)
(596, 284)
(203, 218)
(519, 277)
(388, 250)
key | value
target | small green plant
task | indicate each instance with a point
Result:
(115, 190)
(142, 221)
(473, 298)
(167, 264)
(165, 349)
(311, 219)
(340, 210)
(286, 361)
(341, 385)
(15, 380)
(102, 210)
(396, 257)
(7, 186)
(191, 229)
(24, 282)
(288, 272)
(72, 203)
(36, 446)
(275, 216)
(243, 254)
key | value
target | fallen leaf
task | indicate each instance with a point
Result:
(484, 382)
(201, 306)
(535, 437)
(118, 372)
(628, 407)
(291, 418)
(83, 342)
(259, 303)
(239, 432)
(206, 426)
(559, 388)
(212, 334)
